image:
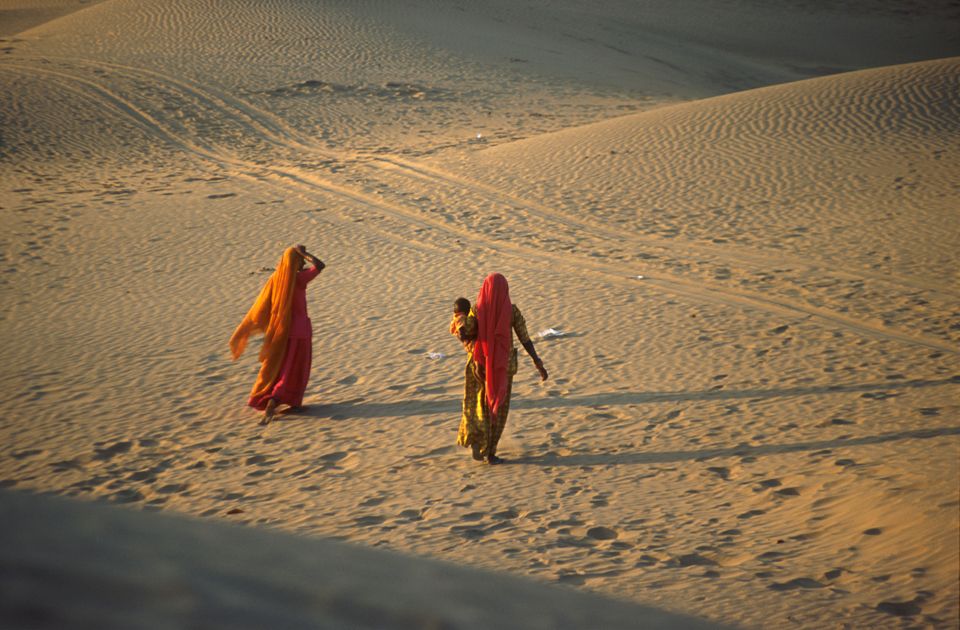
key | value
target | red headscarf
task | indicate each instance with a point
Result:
(494, 323)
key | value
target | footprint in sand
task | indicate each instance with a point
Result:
(470, 532)
(110, 452)
(720, 471)
(225, 463)
(802, 582)
(646, 561)
(333, 461)
(260, 460)
(600, 500)
(770, 556)
(77, 463)
(369, 521)
(600, 416)
(841, 421)
(602, 533)
(900, 609)
(27, 453)
(878, 395)
(147, 476)
(750, 514)
(411, 515)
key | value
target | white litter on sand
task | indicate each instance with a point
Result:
(551, 333)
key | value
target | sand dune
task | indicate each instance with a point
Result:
(796, 176)
(177, 573)
(19, 16)
(752, 414)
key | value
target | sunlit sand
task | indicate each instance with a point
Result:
(739, 221)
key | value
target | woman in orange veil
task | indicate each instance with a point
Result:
(280, 315)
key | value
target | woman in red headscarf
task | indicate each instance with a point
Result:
(280, 314)
(493, 362)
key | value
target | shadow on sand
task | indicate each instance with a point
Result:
(360, 408)
(615, 458)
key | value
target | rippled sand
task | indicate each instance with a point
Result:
(743, 217)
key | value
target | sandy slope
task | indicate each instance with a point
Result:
(176, 573)
(17, 16)
(761, 430)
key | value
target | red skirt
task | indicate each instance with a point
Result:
(292, 381)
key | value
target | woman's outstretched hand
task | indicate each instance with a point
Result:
(541, 369)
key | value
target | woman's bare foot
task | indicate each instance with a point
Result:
(475, 449)
(269, 412)
(493, 459)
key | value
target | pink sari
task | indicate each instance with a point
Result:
(294, 373)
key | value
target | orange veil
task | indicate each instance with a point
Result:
(270, 315)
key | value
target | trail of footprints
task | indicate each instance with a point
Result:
(575, 549)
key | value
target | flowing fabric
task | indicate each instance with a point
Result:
(270, 315)
(493, 346)
(293, 377)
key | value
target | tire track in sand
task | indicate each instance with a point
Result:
(297, 177)
(726, 253)
(274, 130)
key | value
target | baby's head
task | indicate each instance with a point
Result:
(461, 306)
